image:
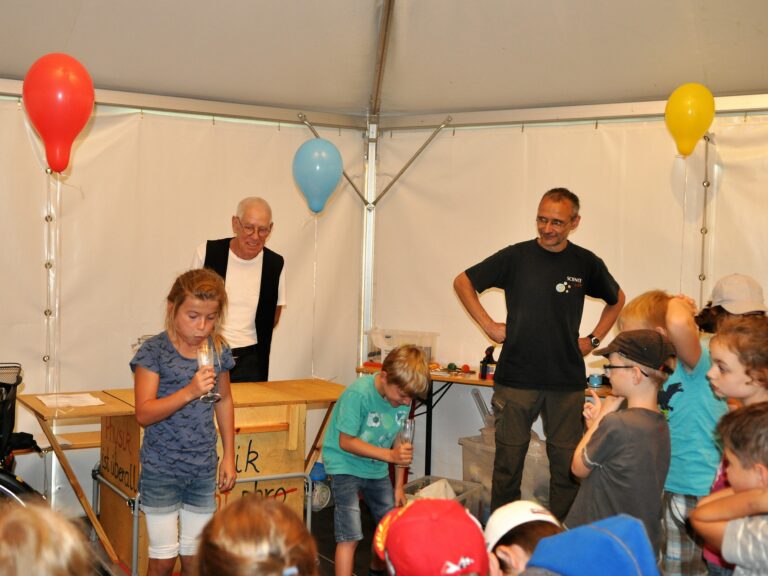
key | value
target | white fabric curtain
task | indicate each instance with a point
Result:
(144, 189)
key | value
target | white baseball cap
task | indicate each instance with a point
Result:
(738, 294)
(513, 515)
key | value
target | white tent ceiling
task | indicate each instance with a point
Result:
(442, 56)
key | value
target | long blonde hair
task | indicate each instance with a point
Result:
(203, 284)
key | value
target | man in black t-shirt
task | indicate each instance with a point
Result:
(541, 366)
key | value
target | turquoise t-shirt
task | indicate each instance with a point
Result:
(692, 410)
(361, 412)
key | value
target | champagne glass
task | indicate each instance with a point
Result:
(205, 358)
(405, 435)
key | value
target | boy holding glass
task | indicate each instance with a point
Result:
(360, 443)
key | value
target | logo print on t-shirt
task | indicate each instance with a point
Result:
(374, 420)
(570, 283)
(665, 397)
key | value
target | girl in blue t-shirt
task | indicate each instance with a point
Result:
(178, 454)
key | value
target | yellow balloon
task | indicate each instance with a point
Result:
(689, 114)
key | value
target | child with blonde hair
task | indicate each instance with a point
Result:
(37, 540)
(178, 455)
(360, 443)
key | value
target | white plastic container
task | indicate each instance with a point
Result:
(477, 462)
(468, 494)
(386, 340)
(477, 466)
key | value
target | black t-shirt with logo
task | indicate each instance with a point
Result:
(544, 294)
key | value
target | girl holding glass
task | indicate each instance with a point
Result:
(178, 455)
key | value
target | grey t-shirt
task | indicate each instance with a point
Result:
(629, 457)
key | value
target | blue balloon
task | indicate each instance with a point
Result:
(317, 170)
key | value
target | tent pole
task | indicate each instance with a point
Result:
(369, 222)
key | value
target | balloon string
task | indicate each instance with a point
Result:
(314, 298)
(48, 263)
(53, 291)
(685, 219)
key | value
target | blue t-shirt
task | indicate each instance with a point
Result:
(362, 412)
(183, 444)
(692, 410)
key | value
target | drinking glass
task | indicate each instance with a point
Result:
(405, 435)
(205, 358)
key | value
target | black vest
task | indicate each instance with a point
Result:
(216, 258)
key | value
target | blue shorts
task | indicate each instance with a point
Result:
(161, 494)
(378, 495)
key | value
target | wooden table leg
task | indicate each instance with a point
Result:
(77, 488)
(316, 444)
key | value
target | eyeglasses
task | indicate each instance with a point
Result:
(608, 367)
(556, 224)
(250, 229)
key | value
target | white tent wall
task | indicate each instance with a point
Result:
(474, 191)
(142, 191)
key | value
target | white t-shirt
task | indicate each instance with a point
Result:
(745, 543)
(243, 284)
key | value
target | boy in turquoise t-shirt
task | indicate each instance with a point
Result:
(360, 444)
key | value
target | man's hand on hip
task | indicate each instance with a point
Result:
(585, 346)
(496, 331)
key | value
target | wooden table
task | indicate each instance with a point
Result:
(276, 393)
(46, 416)
(270, 419)
(434, 395)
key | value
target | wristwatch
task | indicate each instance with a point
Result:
(594, 340)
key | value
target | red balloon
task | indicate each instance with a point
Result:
(58, 98)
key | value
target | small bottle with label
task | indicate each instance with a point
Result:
(487, 365)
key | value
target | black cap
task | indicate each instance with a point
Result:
(646, 347)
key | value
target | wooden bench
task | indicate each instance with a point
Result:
(70, 441)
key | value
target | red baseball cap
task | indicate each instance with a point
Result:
(430, 538)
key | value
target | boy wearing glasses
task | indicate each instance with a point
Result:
(254, 277)
(623, 457)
